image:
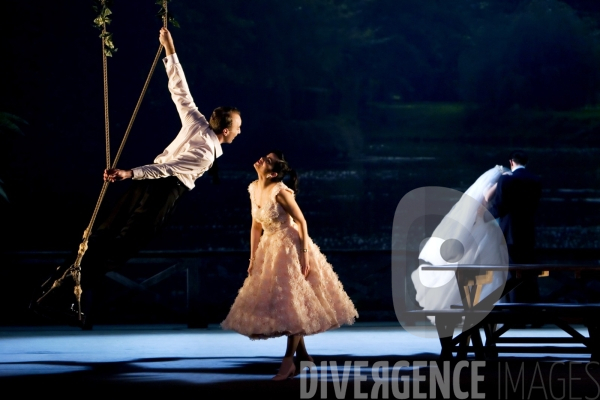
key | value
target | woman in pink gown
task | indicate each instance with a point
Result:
(291, 289)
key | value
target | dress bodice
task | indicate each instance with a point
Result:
(271, 215)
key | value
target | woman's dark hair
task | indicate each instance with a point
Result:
(283, 169)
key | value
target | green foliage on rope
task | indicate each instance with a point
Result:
(101, 7)
(100, 22)
(170, 16)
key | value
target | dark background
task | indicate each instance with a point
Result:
(368, 99)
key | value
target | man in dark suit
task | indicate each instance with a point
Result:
(515, 203)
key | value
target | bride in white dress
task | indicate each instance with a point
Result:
(470, 225)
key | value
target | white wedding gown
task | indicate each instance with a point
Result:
(483, 243)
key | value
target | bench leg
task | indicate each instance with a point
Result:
(470, 334)
(445, 326)
(490, 342)
(477, 344)
(463, 346)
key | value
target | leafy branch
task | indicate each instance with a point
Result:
(163, 11)
(100, 22)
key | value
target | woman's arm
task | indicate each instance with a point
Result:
(288, 202)
(255, 233)
(490, 193)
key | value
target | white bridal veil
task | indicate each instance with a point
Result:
(462, 237)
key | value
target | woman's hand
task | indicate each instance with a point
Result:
(250, 267)
(481, 211)
(305, 264)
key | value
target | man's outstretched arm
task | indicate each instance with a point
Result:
(180, 92)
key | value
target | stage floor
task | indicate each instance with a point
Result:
(172, 359)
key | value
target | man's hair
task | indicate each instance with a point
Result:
(520, 157)
(221, 118)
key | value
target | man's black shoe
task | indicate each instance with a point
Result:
(87, 325)
(64, 314)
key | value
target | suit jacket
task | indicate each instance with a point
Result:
(515, 203)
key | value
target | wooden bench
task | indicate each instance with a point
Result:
(562, 315)
(488, 317)
(514, 315)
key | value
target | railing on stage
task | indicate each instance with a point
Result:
(194, 286)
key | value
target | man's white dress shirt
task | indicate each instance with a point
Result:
(196, 146)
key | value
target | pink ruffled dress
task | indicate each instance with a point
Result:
(276, 299)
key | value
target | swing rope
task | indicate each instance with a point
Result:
(87, 232)
(75, 269)
(105, 79)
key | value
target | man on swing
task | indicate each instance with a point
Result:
(157, 187)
